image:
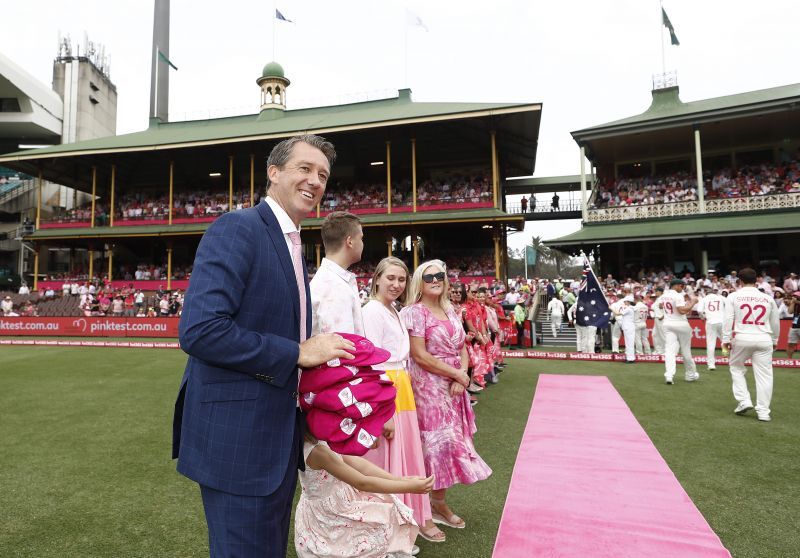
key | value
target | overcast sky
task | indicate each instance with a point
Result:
(587, 61)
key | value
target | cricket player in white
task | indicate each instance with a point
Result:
(659, 340)
(640, 313)
(677, 331)
(616, 327)
(712, 310)
(556, 311)
(751, 330)
(625, 318)
(585, 334)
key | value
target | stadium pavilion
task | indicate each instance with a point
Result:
(425, 178)
(703, 140)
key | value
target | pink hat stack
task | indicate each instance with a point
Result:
(347, 403)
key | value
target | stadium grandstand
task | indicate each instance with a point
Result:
(426, 179)
(81, 104)
(644, 209)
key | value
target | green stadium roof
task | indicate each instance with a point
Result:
(276, 123)
(686, 227)
(667, 108)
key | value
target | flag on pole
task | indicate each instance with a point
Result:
(592, 307)
(413, 20)
(280, 17)
(164, 58)
(673, 38)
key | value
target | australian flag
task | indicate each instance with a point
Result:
(592, 307)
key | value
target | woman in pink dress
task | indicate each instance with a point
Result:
(401, 452)
(438, 368)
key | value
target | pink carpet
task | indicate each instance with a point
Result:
(588, 482)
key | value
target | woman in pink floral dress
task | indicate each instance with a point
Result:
(438, 369)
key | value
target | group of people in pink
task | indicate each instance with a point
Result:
(727, 183)
(240, 432)
(430, 434)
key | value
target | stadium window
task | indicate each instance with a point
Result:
(93, 99)
(9, 104)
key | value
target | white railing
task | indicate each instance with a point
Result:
(683, 209)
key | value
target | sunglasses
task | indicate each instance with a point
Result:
(429, 277)
(473, 292)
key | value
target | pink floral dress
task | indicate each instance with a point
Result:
(446, 423)
(335, 519)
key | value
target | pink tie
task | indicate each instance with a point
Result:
(297, 262)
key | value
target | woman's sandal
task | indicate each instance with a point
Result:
(433, 536)
(453, 521)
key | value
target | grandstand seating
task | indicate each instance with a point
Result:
(745, 181)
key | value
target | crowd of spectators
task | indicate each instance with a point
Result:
(140, 206)
(748, 180)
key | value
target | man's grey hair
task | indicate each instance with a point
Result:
(281, 152)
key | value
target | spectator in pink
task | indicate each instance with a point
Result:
(438, 368)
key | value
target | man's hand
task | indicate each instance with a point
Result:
(322, 348)
(726, 346)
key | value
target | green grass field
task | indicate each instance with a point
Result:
(85, 467)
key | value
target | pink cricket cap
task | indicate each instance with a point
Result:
(366, 353)
(363, 395)
(318, 378)
(346, 435)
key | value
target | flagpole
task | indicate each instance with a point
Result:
(155, 104)
(405, 51)
(661, 28)
(274, 17)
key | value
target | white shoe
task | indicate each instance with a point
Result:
(414, 550)
(764, 418)
(669, 381)
(742, 408)
(693, 378)
(710, 368)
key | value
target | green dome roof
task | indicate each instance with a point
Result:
(273, 69)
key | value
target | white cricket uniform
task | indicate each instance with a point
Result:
(556, 311)
(752, 327)
(585, 334)
(640, 313)
(616, 328)
(678, 336)
(712, 310)
(659, 339)
(626, 322)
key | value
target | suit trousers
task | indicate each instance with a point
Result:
(252, 526)
(642, 342)
(759, 348)
(713, 332)
(679, 337)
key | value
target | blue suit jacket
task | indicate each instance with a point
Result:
(235, 414)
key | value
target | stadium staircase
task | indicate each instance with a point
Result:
(566, 338)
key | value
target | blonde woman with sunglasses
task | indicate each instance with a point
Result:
(438, 369)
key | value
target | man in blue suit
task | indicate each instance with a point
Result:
(237, 429)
